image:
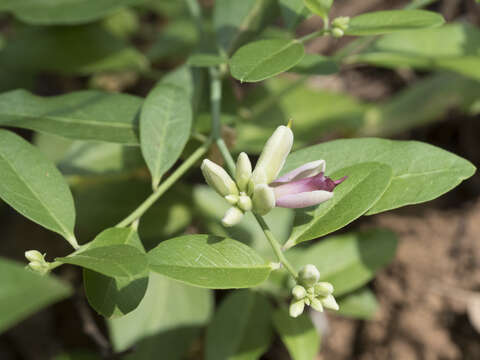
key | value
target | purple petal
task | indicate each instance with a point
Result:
(303, 200)
(306, 170)
(317, 182)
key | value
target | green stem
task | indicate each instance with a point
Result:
(182, 169)
(314, 35)
(275, 246)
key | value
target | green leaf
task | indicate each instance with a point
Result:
(319, 7)
(34, 187)
(360, 304)
(234, 21)
(55, 49)
(421, 172)
(365, 184)
(298, 334)
(293, 12)
(63, 11)
(205, 60)
(348, 261)
(209, 261)
(23, 292)
(165, 124)
(241, 328)
(124, 261)
(168, 319)
(262, 59)
(313, 64)
(83, 115)
(383, 22)
(115, 296)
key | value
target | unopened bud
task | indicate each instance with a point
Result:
(316, 304)
(243, 171)
(309, 275)
(330, 303)
(337, 33)
(218, 178)
(299, 292)
(232, 217)
(34, 255)
(231, 199)
(323, 289)
(341, 22)
(245, 203)
(296, 308)
(263, 199)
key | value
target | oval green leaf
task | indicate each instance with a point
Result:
(421, 172)
(365, 184)
(83, 115)
(262, 59)
(114, 260)
(34, 187)
(384, 22)
(241, 328)
(348, 261)
(313, 64)
(209, 261)
(23, 292)
(165, 124)
(298, 334)
(361, 304)
(115, 296)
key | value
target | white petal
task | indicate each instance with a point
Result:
(303, 200)
(218, 178)
(232, 217)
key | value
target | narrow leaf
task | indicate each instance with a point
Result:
(298, 334)
(241, 328)
(83, 115)
(209, 261)
(265, 58)
(165, 124)
(34, 187)
(23, 292)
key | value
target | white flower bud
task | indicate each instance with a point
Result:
(273, 155)
(299, 292)
(296, 308)
(39, 267)
(323, 289)
(341, 22)
(337, 32)
(218, 178)
(330, 303)
(316, 304)
(232, 217)
(263, 199)
(243, 171)
(231, 199)
(245, 203)
(309, 275)
(34, 255)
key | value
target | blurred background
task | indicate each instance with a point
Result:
(425, 88)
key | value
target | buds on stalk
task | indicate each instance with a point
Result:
(218, 178)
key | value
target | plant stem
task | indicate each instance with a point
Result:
(216, 100)
(275, 246)
(314, 35)
(164, 186)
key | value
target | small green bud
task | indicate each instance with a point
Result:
(299, 292)
(263, 199)
(232, 217)
(218, 178)
(316, 304)
(232, 199)
(323, 289)
(34, 255)
(308, 275)
(296, 308)
(243, 171)
(337, 33)
(245, 203)
(341, 22)
(41, 268)
(330, 303)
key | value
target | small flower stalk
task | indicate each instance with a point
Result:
(37, 262)
(260, 190)
(311, 292)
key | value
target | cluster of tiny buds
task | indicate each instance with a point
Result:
(339, 26)
(37, 262)
(310, 291)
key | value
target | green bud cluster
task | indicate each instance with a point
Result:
(37, 262)
(310, 291)
(339, 26)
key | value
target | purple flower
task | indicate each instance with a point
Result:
(305, 186)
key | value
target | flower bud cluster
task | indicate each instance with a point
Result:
(37, 262)
(339, 26)
(310, 291)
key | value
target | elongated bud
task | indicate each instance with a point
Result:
(273, 155)
(323, 289)
(232, 217)
(337, 32)
(34, 255)
(245, 203)
(316, 304)
(299, 292)
(263, 199)
(243, 171)
(296, 308)
(231, 199)
(330, 303)
(218, 178)
(309, 275)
